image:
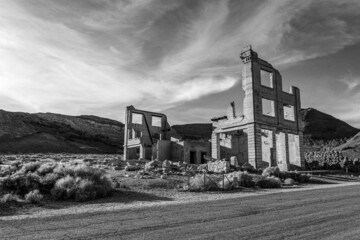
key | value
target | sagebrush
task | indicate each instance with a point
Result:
(60, 181)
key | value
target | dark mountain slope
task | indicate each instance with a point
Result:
(317, 126)
(48, 132)
(322, 126)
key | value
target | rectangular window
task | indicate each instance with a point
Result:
(137, 134)
(289, 112)
(267, 146)
(268, 107)
(294, 149)
(156, 121)
(266, 78)
(156, 136)
(137, 118)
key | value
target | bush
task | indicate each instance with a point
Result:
(271, 171)
(20, 183)
(199, 183)
(30, 167)
(274, 171)
(86, 190)
(61, 181)
(64, 188)
(289, 182)
(46, 168)
(10, 197)
(34, 197)
(269, 182)
(47, 182)
(244, 179)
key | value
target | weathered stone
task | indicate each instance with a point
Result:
(151, 165)
(166, 166)
(234, 161)
(218, 166)
(268, 133)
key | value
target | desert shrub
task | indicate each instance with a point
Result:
(47, 182)
(274, 171)
(64, 188)
(86, 190)
(9, 170)
(289, 182)
(271, 171)
(34, 197)
(64, 169)
(199, 183)
(46, 168)
(269, 182)
(20, 183)
(10, 197)
(82, 189)
(16, 163)
(30, 167)
(61, 181)
(244, 179)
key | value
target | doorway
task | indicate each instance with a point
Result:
(192, 157)
(202, 157)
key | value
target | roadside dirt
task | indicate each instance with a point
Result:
(127, 199)
(329, 212)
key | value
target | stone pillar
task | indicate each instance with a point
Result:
(126, 133)
(215, 145)
(287, 159)
(254, 145)
(301, 142)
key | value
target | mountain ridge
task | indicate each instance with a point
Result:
(22, 132)
(51, 132)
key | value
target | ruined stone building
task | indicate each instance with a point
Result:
(267, 134)
(148, 136)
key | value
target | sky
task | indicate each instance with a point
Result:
(180, 57)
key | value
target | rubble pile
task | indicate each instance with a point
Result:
(218, 166)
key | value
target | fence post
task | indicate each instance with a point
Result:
(204, 180)
(223, 188)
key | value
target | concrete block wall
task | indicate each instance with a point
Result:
(147, 129)
(255, 120)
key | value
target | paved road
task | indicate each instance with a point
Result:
(316, 214)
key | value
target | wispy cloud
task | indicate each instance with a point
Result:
(74, 56)
(351, 82)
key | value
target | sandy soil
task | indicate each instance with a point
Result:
(329, 212)
(136, 200)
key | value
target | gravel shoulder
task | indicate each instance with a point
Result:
(152, 198)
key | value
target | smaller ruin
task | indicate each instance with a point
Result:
(148, 136)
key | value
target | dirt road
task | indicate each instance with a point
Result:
(332, 213)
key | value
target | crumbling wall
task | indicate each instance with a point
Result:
(143, 129)
(199, 148)
(266, 107)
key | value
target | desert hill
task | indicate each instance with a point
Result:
(321, 126)
(352, 147)
(48, 132)
(194, 131)
(317, 126)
